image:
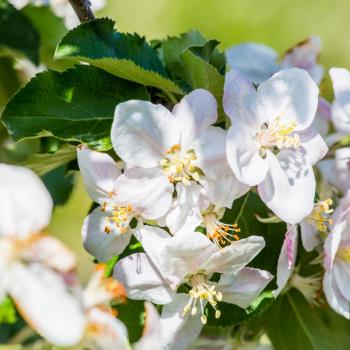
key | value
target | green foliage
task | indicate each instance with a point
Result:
(293, 324)
(124, 55)
(17, 33)
(8, 312)
(51, 29)
(76, 105)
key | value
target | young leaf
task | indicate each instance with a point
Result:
(17, 33)
(8, 312)
(76, 105)
(293, 324)
(124, 55)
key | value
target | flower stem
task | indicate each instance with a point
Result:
(82, 9)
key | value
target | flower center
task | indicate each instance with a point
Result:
(343, 253)
(320, 215)
(202, 290)
(179, 166)
(220, 233)
(120, 217)
(276, 136)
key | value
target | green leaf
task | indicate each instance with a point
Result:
(9, 82)
(17, 34)
(201, 74)
(293, 324)
(124, 55)
(76, 105)
(42, 163)
(51, 29)
(110, 266)
(8, 312)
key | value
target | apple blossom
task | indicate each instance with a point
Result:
(258, 62)
(190, 259)
(106, 230)
(172, 149)
(270, 142)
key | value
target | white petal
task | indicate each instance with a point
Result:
(341, 86)
(147, 190)
(305, 56)
(224, 191)
(45, 303)
(194, 113)
(179, 332)
(142, 280)
(240, 98)
(341, 121)
(25, 203)
(185, 215)
(313, 146)
(99, 172)
(334, 297)
(309, 236)
(255, 61)
(291, 95)
(151, 332)
(97, 242)
(108, 332)
(243, 155)
(210, 150)
(341, 273)
(323, 116)
(243, 288)
(178, 256)
(142, 132)
(232, 258)
(286, 260)
(51, 252)
(289, 187)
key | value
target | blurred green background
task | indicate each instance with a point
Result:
(278, 23)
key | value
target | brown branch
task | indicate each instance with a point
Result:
(82, 9)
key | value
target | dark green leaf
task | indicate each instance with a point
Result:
(17, 33)
(124, 55)
(76, 105)
(293, 324)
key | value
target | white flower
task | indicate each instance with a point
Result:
(270, 142)
(259, 62)
(190, 259)
(170, 149)
(106, 231)
(336, 279)
(313, 228)
(36, 271)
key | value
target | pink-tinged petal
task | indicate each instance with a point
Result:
(184, 215)
(286, 260)
(240, 99)
(244, 287)
(45, 303)
(210, 150)
(309, 236)
(178, 256)
(179, 332)
(341, 273)
(243, 155)
(334, 297)
(102, 245)
(224, 191)
(50, 252)
(313, 146)
(305, 55)
(194, 113)
(291, 95)
(234, 257)
(142, 279)
(257, 62)
(25, 203)
(99, 172)
(143, 132)
(147, 190)
(289, 187)
(151, 332)
(323, 116)
(106, 331)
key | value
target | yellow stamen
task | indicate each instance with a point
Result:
(119, 219)
(343, 253)
(320, 215)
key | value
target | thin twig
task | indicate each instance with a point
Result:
(82, 9)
